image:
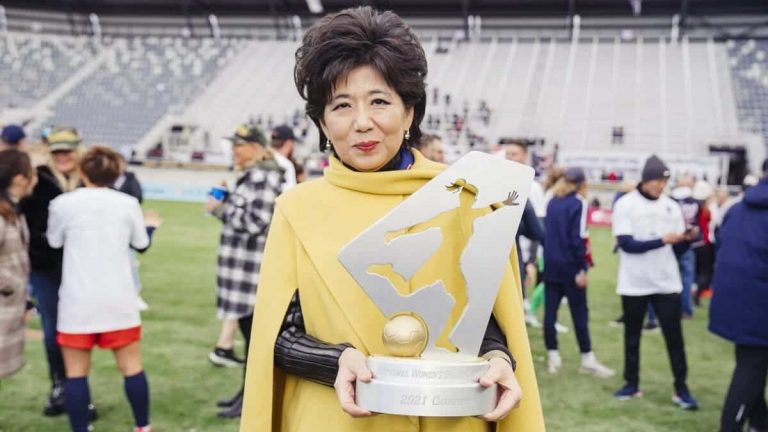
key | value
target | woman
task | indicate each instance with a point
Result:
(97, 227)
(58, 175)
(362, 74)
(17, 179)
(245, 214)
(566, 258)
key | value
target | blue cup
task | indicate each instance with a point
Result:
(218, 193)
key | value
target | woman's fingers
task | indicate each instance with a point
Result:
(345, 391)
(352, 366)
(510, 393)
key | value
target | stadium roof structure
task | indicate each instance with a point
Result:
(486, 8)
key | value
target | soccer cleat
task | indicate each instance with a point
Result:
(228, 403)
(684, 400)
(628, 392)
(590, 366)
(225, 357)
(232, 412)
(555, 362)
(532, 321)
(147, 428)
(55, 404)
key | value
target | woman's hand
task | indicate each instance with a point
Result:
(509, 392)
(211, 204)
(352, 366)
(152, 219)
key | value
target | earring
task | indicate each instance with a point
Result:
(327, 144)
(407, 135)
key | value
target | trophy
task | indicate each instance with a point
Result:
(420, 377)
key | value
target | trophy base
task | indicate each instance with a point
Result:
(426, 388)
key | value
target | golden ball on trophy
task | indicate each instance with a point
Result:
(405, 335)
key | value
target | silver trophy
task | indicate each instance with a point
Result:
(419, 377)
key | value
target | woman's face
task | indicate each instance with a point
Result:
(365, 120)
(243, 154)
(65, 161)
(23, 185)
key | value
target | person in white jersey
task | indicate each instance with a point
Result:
(650, 231)
(97, 227)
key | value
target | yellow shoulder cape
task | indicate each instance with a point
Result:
(312, 222)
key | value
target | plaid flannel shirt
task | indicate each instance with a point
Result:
(246, 214)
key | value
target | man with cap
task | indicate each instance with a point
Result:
(12, 136)
(283, 143)
(566, 265)
(245, 214)
(649, 227)
(737, 311)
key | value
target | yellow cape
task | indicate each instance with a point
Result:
(312, 222)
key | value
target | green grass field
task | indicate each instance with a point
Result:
(180, 329)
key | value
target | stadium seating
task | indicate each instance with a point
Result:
(666, 95)
(140, 81)
(749, 63)
(31, 66)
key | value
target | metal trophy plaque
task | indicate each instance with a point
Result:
(421, 378)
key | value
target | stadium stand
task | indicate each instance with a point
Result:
(636, 93)
(139, 81)
(32, 66)
(749, 63)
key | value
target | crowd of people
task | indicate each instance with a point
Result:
(71, 224)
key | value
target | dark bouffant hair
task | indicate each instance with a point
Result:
(101, 165)
(12, 163)
(354, 37)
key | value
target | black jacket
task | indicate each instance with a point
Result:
(43, 257)
(129, 184)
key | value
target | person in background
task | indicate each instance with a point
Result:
(97, 227)
(703, 248)
(517, 151)
(647, 224)
(128, 183)
(301, 172)
(61, 174)
(283, 146)
(13, 137)
(245, 214)
(692, 213)
(17, 179)
(431, 146)
(739, 305)
(565, 255)
(535, 270)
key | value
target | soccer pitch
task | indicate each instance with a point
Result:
(180, 328)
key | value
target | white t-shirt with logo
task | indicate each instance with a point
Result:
(96, 227)
(654, 271)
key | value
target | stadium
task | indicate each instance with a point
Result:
(598, 84)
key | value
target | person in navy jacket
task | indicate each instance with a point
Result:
(739, 306)
(565, 258)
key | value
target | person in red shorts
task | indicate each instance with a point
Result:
(98, 227)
